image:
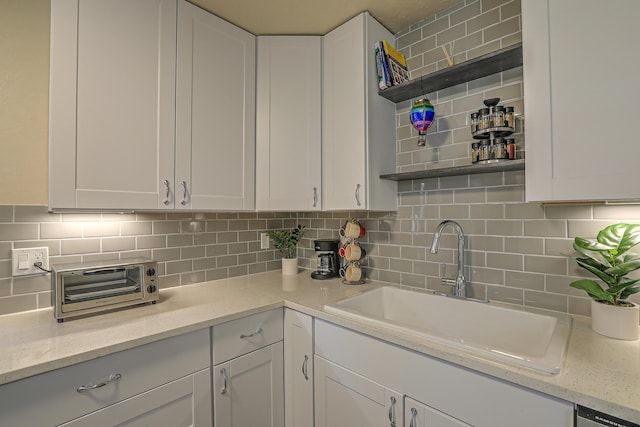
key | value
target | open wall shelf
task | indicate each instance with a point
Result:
(508, 165)
(482, 66)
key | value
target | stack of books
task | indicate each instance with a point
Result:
(391, 65)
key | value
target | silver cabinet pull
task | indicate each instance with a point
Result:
(223, 372)
(305, 368)
(414, 414)
(315, 196)
(184, 193)
(392, 412)
(167, 192)
(112, 378)
(357, 195)
(257, 332)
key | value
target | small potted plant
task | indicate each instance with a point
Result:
(286, 242)
(609, 259)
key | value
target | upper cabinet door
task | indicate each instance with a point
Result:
(581, 99)
(288, 123)
(112, 103)
(215, 113)
(358, 141)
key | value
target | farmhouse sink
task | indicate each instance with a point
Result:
(521, 338)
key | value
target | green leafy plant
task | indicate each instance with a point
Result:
(286, 241)
(607, 257)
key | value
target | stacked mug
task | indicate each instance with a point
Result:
(352, 252)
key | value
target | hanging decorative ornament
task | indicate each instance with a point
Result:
(421, 116)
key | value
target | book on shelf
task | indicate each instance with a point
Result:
(391, 65)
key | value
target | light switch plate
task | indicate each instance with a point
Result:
(264, 241)
(23, 260)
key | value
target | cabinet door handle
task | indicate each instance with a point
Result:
(225, 380)
(305, 368)
(184, 193)
(414, 414)
(112, 378)
(392, 412)
(167, 192)
(257, 332)
(315, 197)
(357, 195)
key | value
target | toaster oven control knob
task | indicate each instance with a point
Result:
(152, 289)
(151, 272)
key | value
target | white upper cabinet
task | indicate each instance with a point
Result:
(152, 106)
(581, 91)
(358, 131)
(112, 103)
(288, 124)
(215, 113)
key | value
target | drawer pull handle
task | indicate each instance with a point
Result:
(112, 378)
(305, 368)
(392, 412)
(414, 414)
(223, 372)
(257, 332)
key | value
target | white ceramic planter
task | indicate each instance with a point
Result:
(615, 322)
(289, 266)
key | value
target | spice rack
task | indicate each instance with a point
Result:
(493, 148)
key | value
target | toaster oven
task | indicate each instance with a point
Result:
(84, 288)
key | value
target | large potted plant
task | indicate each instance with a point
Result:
(609, 259)
(286, 242)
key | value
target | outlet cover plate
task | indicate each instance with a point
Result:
(22, 260)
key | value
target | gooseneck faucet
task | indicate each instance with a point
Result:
(459, 283)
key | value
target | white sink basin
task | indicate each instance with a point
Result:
(522, 338)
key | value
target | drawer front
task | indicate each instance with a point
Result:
(52, 398)
(241, 336)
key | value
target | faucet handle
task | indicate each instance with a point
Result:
(448, 281)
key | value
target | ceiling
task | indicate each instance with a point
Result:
(318, 17)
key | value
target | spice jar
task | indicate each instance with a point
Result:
(497, 117)
(474, 122)
(509, 117)
(475, 152)
(485, 150)
(499, 149)
(483, 119)
(511, 149)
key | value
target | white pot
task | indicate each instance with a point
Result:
(614, 321)
(289, 266)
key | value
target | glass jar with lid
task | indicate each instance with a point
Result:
(499, 149)
(475, 152)
(509, 117)
(484, 151)
(497, 117)
(474, 122)
(483, 118)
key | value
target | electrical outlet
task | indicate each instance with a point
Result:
(264, 241)
(23, 261)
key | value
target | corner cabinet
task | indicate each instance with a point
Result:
(579, 106)
(358, 126)
(117, 138)
(288, 123)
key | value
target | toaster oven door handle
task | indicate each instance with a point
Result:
(102, 271)
(112, 378)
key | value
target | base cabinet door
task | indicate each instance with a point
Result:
(417, 414)
(249, 390)
(298, 369)
(185, 403)
(344, 398)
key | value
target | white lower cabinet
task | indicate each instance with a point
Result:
(355, 375)
(184, 402)
(298, 369)
(418, 414)
(130, 386)
(248, 377)
(344, 398)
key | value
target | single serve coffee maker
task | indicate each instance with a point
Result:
(328, 266)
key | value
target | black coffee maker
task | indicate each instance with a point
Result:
(329, 265)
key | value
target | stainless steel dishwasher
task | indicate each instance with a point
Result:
(591, 418)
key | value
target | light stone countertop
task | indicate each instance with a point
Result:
(599, 373)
